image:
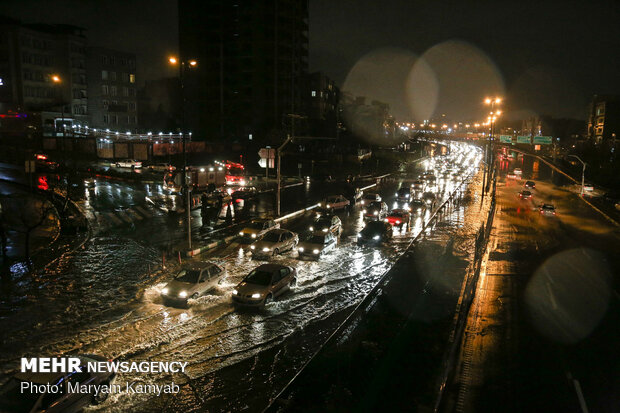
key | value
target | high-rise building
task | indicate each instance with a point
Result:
(252, 56)
(113, 98)
(604, 118)
(43, 69)
(322, 105)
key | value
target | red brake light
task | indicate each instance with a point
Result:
(42, 157)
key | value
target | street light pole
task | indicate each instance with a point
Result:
(583, 171)
(288, 139)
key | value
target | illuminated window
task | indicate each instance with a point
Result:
(104, 89)
(132, 78)
(104, 75)
(314, 93)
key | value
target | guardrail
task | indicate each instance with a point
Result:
(368, 300)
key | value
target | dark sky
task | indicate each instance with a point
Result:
(545, 57)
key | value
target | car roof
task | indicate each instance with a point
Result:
(270, 267)
(279, 231)
(397, 211)
(197, 265)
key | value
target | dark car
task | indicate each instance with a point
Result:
(244, 193)
(547, 209)
(14, 399)
(430, 199)
(375, 210)
(417, 206)
(326, 223)
(530, 184)
(263, 284)
(403, 194)
(375, 232)
(525, 195)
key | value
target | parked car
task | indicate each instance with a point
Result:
(369, 197)
(398, 217)
(161, 167)
(15, 399)
(128, 163)
(334, 202)
(375, 210)
(257, 228)
(326, 223)
(375, 232)
(547, 209)
(530, 184)
(274, 243)
(317, 245)
(264, 284)
(192, 281)
(525, 195)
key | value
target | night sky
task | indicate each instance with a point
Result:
(425, 58)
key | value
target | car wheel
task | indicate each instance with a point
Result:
(101, 396)
(268, 299)
(293, 283)
(118, 165)
(194, 296)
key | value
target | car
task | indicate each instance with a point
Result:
(525, 195)
(128, 163)
(398, 217)
(42, 161)
(517, 171)
(274, 242)
(15, 399)
(418, 185)
(90, 182)
(430, 179)
(326, 223)
(369, 197)
(257, 228)
(244, 193)
(192, 281)
(375, 232)
(547, 209)
(530, 184)
(403, 194)
(429, 199)
(264, 284)
(316, 245)
(335, 202)
(511, 176)
(588, 188)
(161, 167)
(375, 210)
(417, 206)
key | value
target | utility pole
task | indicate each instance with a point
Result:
(583, 171)
(288, 139)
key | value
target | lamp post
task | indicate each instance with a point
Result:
(492, 101)
(183, 66)
(58, 81)
(583, 171)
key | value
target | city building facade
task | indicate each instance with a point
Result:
(252, 56)
(604, 118)
(113, 98)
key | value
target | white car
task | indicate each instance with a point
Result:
(162, 167)
(334, 202)
(274, 242)
(317, 245)
(191, 281)
(128, 163)
(369, 197)
(518, 171)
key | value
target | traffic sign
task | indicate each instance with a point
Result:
(543, 140)
(524, 139)
(262, 162)
(505, 138)
(268, 153)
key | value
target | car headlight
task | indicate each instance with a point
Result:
(364, 211)
(300, 249)
(406, 195)
(253, 235)
(397, 222)
(327, 206)
(396, 194)
(359, 235)
(256, 295)
(165, 291)
(311, 228)
(376, 237)
(376, 213)
(252, 247)
(235, 292)
(363, 204)
(325, 229)
(183, 294)
(316, 251)
(320, 204)
(265, 249)
(241, 233)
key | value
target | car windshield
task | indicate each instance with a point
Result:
(256, 225)
(373, 227)
(375, 205)
(547, 206)
(417, 202)
(317, 239)
(12, 399)
(332, 199)
(188, 276)
(397, 214)
(272, 237)
(370, 196)
(323, 222)
(259, 277)
(527, 193)
(403, 191)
